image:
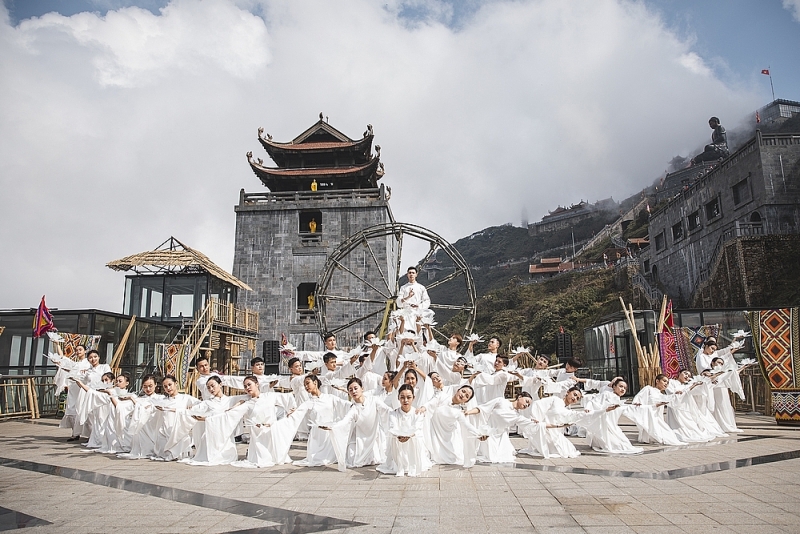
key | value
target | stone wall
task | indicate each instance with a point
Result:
(275, 253)
(755, 272)
(754, 192)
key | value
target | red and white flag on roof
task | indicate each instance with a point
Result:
(765, 71)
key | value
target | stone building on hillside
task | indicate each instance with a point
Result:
(324, 188)
(750, 198)
(562, 217)
(675, 182)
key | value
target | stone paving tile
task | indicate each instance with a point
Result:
(486, 498)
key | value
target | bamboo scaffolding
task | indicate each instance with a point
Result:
(117, 358)
(648, 357)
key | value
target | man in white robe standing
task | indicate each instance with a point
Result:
(414, 295)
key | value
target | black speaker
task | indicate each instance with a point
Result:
(563, 346)
(271, 352)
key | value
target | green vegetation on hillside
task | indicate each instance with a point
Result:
(531, 314)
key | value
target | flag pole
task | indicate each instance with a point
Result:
(769, 68)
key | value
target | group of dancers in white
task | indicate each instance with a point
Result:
(402, 405)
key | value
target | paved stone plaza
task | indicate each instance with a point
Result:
(747, 483)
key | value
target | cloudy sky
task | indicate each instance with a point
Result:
(124, 122)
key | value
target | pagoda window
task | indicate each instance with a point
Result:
(306, 302)
(310, 223)
(305, 296)
(741, 193)
(677, 231)
(712, 209)
(693, 221)
(660, 241)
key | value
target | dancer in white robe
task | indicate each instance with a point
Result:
(497, 416)
(450, 437)
(452, 374)
(142, 426)
(164, 421)
(295, 382)
(490, 386)
(270, 437)
(550, 416)
(412, 375)
(366, 371)
(69, 368)
(602, 422)
(115, 440)
(204, 371)
(92, 377)
(124, 405)
(683, 414)
(257, 366)
(359, 438)
(484, 362)
(406, 453)
(729, 381)
(94, 407)
(647, 412)
(447, 356)
(212, 429)
(413, 295)
(532, 380)
(387, 392)
(435, 387)
(332, 371)
(323, 411)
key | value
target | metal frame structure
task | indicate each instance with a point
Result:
(385, 293)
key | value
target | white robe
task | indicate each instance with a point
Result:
(550, 442)
(359, 438)
(164, 422)
(450, 437)
(93, 410)
(683, 416)
(649, 418)
(297, 385)
(142, 427)
(499, 415)
(213, 437)
(270, 437)
(322, 410)
(489, 387)
(602, 427)
(410, 458)
(419, 300)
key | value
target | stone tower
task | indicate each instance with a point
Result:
(324, 188)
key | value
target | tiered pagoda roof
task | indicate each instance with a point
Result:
(322, 154)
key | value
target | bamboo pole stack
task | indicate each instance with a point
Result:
(648, 356)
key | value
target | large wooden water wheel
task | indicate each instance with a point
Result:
(357, 290)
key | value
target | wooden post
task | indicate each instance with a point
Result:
(115, 360)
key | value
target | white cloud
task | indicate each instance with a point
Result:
(122, 130)
(794, 7)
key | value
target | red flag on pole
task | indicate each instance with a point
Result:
(42, 320)
(765, 71)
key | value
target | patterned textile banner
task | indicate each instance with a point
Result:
(73, 341)
(689, 340)
(173, 360)
(777, 344)
(670, 363)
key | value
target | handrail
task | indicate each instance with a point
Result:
(18, 397)
(296, 196)
(653, 295)
(734, 230)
